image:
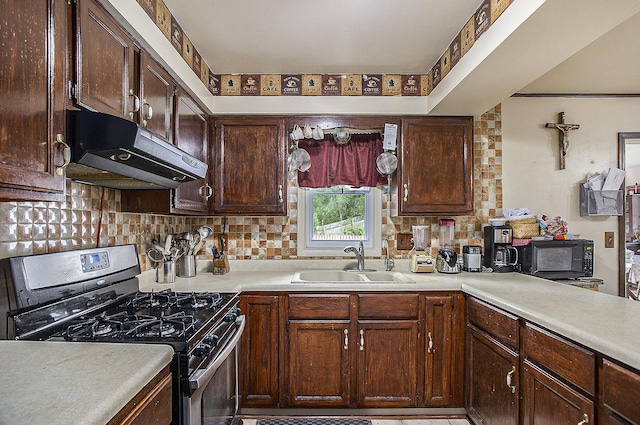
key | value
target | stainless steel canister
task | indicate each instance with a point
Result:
(166, 272)
(187, 266)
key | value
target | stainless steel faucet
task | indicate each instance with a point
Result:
(388, 261)
(359, 252)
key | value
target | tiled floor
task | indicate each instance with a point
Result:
(397, 422)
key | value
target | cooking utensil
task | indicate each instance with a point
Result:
(156, 245)
(168, 242)
(205, 231)
(215, 252)
(222, 244)
(155, 255)
(386, 163)
(197, 247)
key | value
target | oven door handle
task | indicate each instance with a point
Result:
(201, 377)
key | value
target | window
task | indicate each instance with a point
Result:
(331, 219)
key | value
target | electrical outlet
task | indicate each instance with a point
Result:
(403, 241)
(609, 240)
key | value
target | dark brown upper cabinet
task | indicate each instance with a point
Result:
(191, 135)
(156, 97)
(33, 47)
(249, 166)
(436, 166)
(105, 63)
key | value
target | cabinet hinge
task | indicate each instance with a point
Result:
(73, 90)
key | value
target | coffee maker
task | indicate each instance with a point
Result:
(499, 254)
(420, 256)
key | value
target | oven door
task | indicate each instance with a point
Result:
(214, 388)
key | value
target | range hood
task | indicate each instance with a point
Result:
(114, 152)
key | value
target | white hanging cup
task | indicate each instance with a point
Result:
(307, 131)
(296, 133)
(317, 133)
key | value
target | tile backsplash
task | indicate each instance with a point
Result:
(91, 216)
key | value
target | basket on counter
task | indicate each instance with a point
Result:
(524, 228)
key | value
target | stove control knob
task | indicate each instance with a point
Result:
(232, 315)
(202, 350)
(211, 340)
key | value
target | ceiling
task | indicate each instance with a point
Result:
(323, 37)
(377, 36)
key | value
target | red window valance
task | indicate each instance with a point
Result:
(352, 164)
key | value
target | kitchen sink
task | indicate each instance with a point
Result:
(342, 276)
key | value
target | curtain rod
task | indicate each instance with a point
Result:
(354, 130)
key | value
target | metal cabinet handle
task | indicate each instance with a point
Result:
(361, 340)
(136, 103)
(280, 194)
(406, 192)
(430, 348)
(509, 376)
(585, 420)
(346, 339)
(149, 113)
(205, 191)
(66, 154)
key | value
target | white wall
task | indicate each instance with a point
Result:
(531, 174)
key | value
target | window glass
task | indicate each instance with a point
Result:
(334, 218)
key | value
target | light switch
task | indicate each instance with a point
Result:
(609, 241)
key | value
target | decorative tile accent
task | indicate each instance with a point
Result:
(36, 227)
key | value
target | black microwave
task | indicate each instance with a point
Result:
(556, 259)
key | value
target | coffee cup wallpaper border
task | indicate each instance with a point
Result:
(329, 84)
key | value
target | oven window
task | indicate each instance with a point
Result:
(554, 259)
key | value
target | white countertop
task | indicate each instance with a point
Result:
(603, 322)
(64, 383)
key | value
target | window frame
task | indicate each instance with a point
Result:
(335, 248)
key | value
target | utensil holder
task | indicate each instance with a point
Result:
(187, 266)
(166, 272)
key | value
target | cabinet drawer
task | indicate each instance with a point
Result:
(319, 306)
(560, 356)
(499, 324)
(621, 391)
(388, 306)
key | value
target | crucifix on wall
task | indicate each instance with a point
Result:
(564, 135)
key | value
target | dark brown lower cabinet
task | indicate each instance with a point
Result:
(319, 364)
(620, 395)
(547, 400)
(259, 351)
(443, 351)
(387, 361)
(492, 380)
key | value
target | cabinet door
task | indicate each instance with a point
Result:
(105, 63)
(440, 368)
(191, 135)
(436, 164)
(249, 168)
(33, 50)
(387, 354)
(318, 363)
(546, 400)
(620, 393)
(490, 368)
(259, 351)
(156, 93)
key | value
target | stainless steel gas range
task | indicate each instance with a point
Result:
(92, 295)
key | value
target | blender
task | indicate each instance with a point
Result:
(421, 261)
(447, 259)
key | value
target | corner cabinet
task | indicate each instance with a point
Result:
(436, 166)
(249, 166)
(492, 375)
(33, 46)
